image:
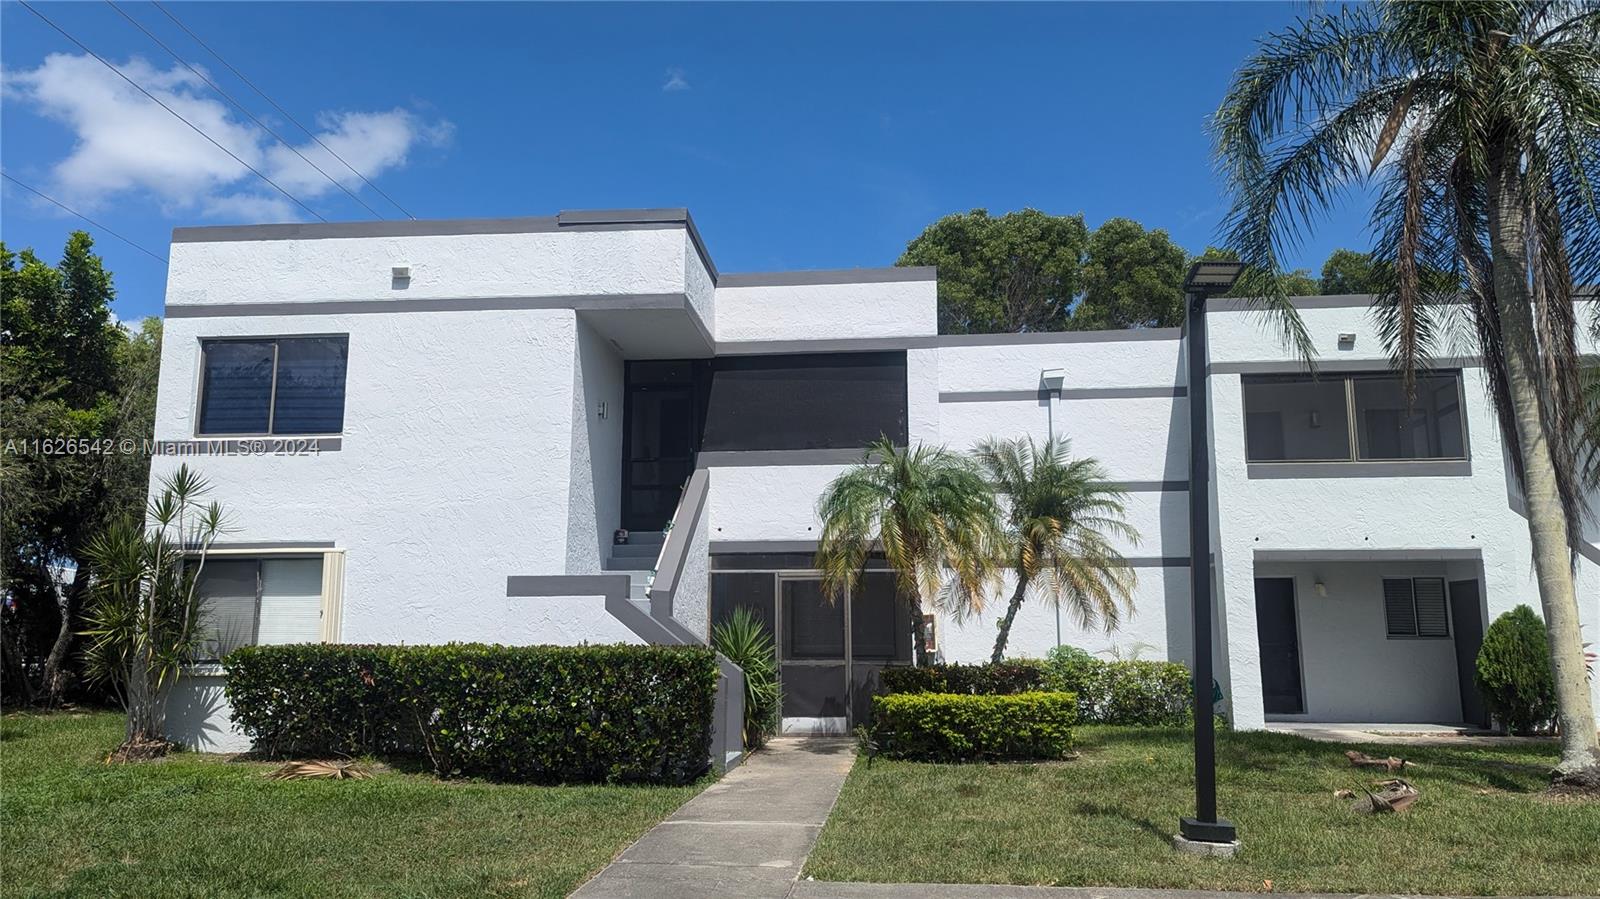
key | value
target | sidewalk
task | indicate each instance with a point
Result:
(746, 836)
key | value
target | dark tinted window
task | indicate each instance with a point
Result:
(1387, 427)
(310, 392)
(1295, 418)
(825, 401)
(880, 623)
(237, 394)
(290, 385)
(813, 627)
(753, 591)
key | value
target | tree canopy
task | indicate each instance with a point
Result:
(1132, 278)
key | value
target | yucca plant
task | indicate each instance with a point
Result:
(144, 613)
(1475, 125)
(1060, 514)
(929, 512)
(746, 642)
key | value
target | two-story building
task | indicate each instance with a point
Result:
(433, 431)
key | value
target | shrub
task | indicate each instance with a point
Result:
(1149, 694)
(992, 679)
(614, 714)
(958, 727)
(746, 643)
(1514, 672)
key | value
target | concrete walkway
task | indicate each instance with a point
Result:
(1405, 734)
(746, 836)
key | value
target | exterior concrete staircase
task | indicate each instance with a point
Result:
(637, 559)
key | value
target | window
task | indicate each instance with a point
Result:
(1297, 418)
(1415, 607)
(822, 401)
(284, 385)
(248, 602)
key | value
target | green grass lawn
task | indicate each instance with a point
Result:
(201, 825)
(1482, 826)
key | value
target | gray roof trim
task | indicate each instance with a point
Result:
(1339, 366)
(830, 276)
(1150, 486)
(726, 547)
(1462, 554)
(441, 304)
(274, 544)
(1069, 393)
(834, 345)
(1036, 337)
(1332, 301)
(566, 220)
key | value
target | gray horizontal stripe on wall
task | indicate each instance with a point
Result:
(1335, 366)
(834, 345)
(274, 544)
(759, 458)
(1071, 393)
(248, 446)
(1332, 301)
(1150, 486)
(1157, 561)
(1451, 468)
(1464, 554)
(763, 546)
(447, 304)
(1037, 337)
(532, 585)
(830, 276)
(1580, 546)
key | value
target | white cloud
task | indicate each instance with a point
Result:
(127, 143)
(677, 80)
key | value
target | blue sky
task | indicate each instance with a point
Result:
(799, 136)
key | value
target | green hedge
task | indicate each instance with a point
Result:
(1149, 694)
(1004, 678)
(963, 726)
(547, 714)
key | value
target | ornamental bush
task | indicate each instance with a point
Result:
(991, 679)
(962, 727)
(544, 714)
(1139, 693)
(1514, 672)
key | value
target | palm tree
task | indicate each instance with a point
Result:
(1059, 513)
(930, 513)
(1491, 109)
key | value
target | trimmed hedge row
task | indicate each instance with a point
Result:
(547, 714)
(1150, 694)
(964, 727)
(986, 680)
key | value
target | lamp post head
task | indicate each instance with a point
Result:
(1209, 277)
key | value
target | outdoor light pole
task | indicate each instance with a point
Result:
(1205, 279)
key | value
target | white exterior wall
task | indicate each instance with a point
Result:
(826, 311)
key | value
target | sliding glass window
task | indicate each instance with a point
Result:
(284, 385)
(1347, 418)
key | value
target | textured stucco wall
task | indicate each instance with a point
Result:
(826, 311)
(768, 503)
(691, 598)
(594, 507)
(455, 469)
(442, 267)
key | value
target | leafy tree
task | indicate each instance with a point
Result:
(1479, 123)
(145, 612)
(1251, 283)
(1513, 672)
(1348, 271)
(1059, 513)
(66, 371)
(1017, 272)
(929, 510)
(1132, 278)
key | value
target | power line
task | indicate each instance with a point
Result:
(240, 107)
(281, 111)
(45, 196)
(157, 101)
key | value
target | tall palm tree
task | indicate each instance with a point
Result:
(1059, 513)
(1477, 124)
(931, 514)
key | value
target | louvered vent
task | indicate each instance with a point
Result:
(1432, 618)
(1398, 608)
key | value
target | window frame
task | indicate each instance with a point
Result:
(332, 607)
(1416, 616)
(272, 396)
(1352, 425)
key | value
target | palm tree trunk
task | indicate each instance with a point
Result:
(919, 646)
(1547, 520)
(55, 677)
(1010, 616)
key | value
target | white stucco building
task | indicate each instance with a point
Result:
(431, 431)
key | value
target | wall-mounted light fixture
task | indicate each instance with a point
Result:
(1347, 341)
(602, 411)
(1320, 587)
